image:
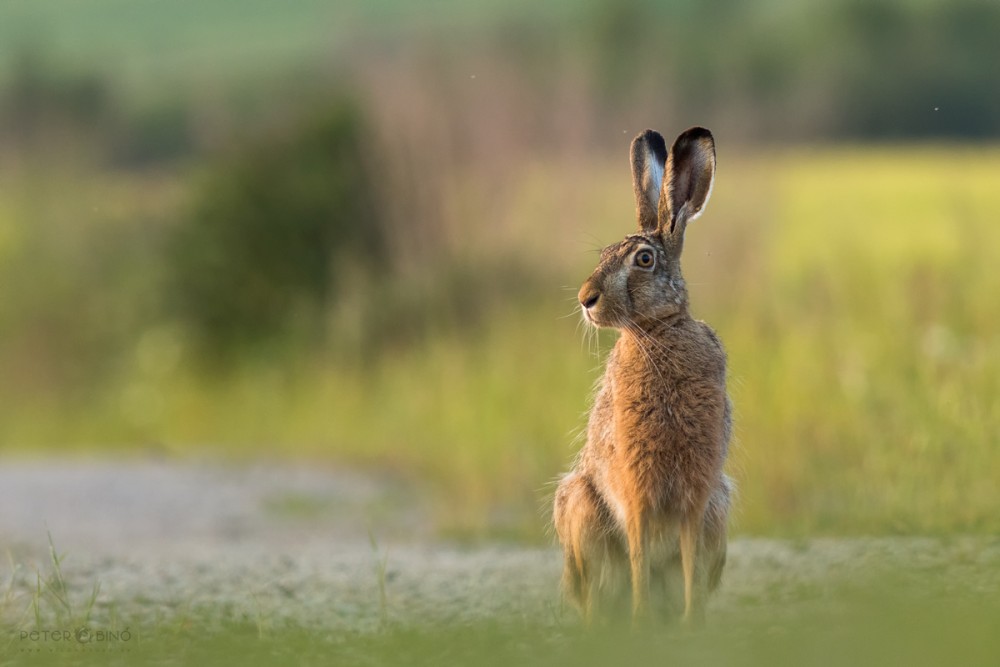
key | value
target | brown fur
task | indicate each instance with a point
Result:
(647, 495)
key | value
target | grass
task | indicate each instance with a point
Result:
(932, 620)
(870, 367)
(823, 639)
(381, 563)
(854, 290)
(52, 603)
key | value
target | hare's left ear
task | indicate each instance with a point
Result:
(688, 182)
(649, 157)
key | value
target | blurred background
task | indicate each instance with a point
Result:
(351, 234)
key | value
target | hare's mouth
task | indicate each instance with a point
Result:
(593, 318)
(598, 319)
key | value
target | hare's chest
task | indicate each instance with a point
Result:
(646, 402)
(662, 437)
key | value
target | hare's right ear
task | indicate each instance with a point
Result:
(649, 157)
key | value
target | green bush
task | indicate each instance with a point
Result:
(270, 229)
(42, 105)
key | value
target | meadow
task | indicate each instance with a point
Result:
(853, 287)
(958, 630)
(930, 611)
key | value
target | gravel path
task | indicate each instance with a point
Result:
(277, 545)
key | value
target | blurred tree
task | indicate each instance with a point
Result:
(41, 107)
(270, 229)
(918, 72)
(155, 134)
(892, 69)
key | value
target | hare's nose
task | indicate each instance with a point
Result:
(588, 299)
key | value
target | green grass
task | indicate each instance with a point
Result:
(855, 291)
(928, 627)
(870, 367)
(916, 612)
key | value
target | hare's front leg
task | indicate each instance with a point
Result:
(694, 595)
(638, 554)
(579, 523)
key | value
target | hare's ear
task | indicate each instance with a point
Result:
(688, 182)
(649, 156)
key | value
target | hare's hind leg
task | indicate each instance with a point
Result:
(666, 582)
(714, 533)
(581, 526)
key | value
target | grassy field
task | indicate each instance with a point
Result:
(919, 602)
(953, 632)
(855, 290)
(942, 621)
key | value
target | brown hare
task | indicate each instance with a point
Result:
(647, 496)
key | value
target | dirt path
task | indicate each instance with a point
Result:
(278, 545)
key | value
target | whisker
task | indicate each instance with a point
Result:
(595, 337)
(593, 239)
(649, 357)
(649, 337)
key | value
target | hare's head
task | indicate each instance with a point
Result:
(639, 280)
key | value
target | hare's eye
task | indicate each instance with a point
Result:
(644, 258)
